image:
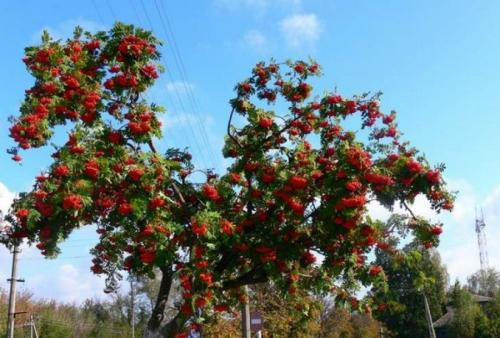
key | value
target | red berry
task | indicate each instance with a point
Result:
(247, 87)
(436, 230)
(375, 270)
(299, 68)
(266, 122)
(298, 182)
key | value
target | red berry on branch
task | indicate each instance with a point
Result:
(210, 192)
(375, 270)
(308, 258)
(92, 169)
(136, 174)
(61, 170)
(199, 229)
(433, 176)
(299, 68)
(206, 277)
(298, 182)
(72, 202)
(124, 208)
(246, 87)
(266, 122)
(147, 257)
(436, 230)
(413, 166)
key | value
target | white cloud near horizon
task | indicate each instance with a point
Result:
(69, 284)
(301, 29)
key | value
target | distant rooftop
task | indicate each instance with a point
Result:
(450, 311)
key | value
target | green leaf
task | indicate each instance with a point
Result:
(139, 206)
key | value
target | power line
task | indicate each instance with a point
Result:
(171, 101)
(184, 118)
(111, 9)
(134, 9)
(179, 99)
(98, 12)
(182, 70)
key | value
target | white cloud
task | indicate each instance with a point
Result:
(180, 87)
(6, 197)
(65, 29)
(175, 120)
(254, 39)
(259, 6)
(68, 284)
(301, 29)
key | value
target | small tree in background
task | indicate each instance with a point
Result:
(484, 282)
(409, 277)
(298, 185)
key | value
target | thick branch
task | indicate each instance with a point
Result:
(158, 313)
(174, 326)
(251, 277)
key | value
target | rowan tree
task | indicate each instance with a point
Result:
(297, 189)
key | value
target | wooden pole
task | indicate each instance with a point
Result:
(12, 294)
(245, 317)
(428, 316)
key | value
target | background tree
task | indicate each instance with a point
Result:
(484, 282)
(283, 316)
(298, 184)
(91, 319)
(466, 315)
(338, 322)
(408, 278)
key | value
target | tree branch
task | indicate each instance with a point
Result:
(408, 209)
(250, 277)
(229, 129)
(174, 184)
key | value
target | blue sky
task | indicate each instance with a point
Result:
(437, 62)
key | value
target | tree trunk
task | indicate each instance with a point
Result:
(157, 327)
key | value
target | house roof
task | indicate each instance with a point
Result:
(481, 299)
(450, 311)
(445, 319)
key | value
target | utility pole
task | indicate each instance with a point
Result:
(428, 316)
(12, 294)
(132, 301)
(245, 317)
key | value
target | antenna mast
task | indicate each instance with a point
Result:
(481, 241)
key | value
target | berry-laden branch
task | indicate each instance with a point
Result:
(297, 187)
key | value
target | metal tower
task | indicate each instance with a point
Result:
(481, 241)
